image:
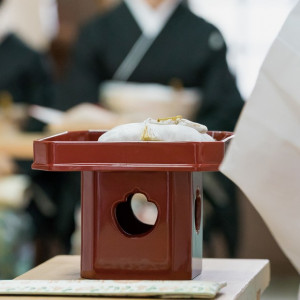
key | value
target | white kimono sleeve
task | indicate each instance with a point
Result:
(264, 157)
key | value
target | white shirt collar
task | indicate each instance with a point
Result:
(151, 21)
(5, 21)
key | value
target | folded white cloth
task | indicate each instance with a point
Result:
(109, 288)
(168, 130)
(264, 157)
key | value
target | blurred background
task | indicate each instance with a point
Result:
(50, 28)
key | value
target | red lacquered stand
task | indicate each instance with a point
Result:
(115, 244)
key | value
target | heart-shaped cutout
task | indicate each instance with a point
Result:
(137, 215)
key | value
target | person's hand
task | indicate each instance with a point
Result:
(7, 166)
(86, 116)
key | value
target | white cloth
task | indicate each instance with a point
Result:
(168, 130)
(150, 20)
(264, 157)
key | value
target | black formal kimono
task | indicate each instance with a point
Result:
(25, 76)
(182, 51)
(188, 49)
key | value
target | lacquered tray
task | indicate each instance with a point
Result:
(80, 151)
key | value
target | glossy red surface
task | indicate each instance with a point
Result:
(115, 244)
(163, 253)
(80, 151)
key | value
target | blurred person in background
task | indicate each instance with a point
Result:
(25, 74)
(26, 79)
(163, 42)
(71, 15)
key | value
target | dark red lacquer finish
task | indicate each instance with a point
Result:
(115, 244)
